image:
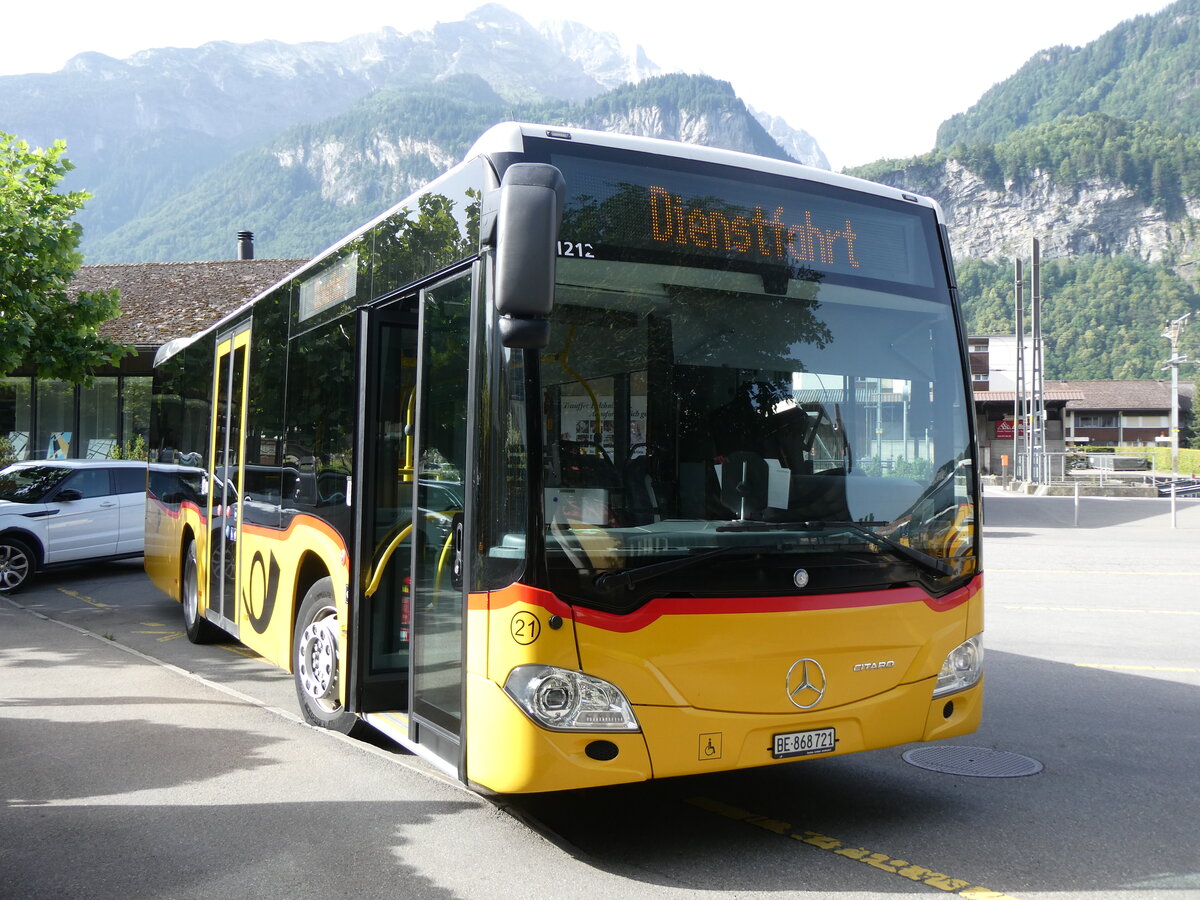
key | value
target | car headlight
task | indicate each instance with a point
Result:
(962, 668)
(566, 700)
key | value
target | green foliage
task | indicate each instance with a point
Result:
(40, 323)
(134, 448)
(917, 469)
(1144, 69)
(1102, 317)
(1161, 166)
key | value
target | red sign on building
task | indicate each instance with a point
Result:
(1004, 430)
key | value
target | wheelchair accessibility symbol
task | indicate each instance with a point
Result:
(710, 746)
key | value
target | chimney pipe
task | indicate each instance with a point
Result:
(245, 245)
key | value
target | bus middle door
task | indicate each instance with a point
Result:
(225, 473)
(409, 616)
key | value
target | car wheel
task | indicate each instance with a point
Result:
(16, 564)
(199, 629)
(315, 661)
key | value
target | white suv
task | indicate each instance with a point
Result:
(62, 512)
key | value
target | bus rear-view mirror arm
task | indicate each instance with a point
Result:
(529, 214)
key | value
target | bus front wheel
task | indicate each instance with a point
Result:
(315, 660)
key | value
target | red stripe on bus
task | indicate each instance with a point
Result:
(707, 606)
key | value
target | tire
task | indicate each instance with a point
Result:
(315, 651)
(199, 629)
(17, 564)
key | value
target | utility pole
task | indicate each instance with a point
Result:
(1019, 433)
(1174, 327)
(1037, 405)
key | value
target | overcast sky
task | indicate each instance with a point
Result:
(868, 79)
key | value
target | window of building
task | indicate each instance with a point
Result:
(1096, 420)
(98, 420)
(16, 414)
(56, 438)
(135, 409)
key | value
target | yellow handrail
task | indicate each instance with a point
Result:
(387, 555)
(562, 357)
(437, 581)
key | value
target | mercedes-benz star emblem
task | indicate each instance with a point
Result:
(805, 683)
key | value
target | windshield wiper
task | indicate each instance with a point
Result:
(924, 560)
(630, 578)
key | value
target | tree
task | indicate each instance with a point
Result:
(41, 324)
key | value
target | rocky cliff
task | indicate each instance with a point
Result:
(1090, 216)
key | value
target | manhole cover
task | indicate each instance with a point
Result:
(978, 762)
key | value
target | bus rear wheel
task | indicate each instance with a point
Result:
(315, 661)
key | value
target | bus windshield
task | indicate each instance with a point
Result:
(717, 420)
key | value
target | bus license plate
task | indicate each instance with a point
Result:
(804, 743)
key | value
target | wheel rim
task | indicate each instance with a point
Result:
(191, 588)
(14, 567)
(317, 659)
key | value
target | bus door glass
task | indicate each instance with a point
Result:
(224, 470)
(440, 458)
(386, 504)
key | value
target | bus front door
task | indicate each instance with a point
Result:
(409, 612)
(224, 474)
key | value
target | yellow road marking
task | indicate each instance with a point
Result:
(1156, 574)
(1136, 668)
(163, 635)
(88, 600)
(881, 861)
(239, 650)
(1099, 609)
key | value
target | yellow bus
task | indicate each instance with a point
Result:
(599, 459)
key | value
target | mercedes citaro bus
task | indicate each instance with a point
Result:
(599, 459)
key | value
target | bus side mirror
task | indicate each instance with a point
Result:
(532, 196)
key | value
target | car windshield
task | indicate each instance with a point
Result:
(29, 484)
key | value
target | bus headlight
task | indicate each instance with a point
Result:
(567, 700)
(962, 668)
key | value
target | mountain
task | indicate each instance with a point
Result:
(1095, 151)
(1144, 69)
(163, 124)
(316, 182)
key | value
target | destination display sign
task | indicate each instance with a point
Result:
(617, 210)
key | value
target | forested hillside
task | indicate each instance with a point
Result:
(1102, 317)
(315, 183)
(1095, 151)
(1162, 166)
(1144, 69)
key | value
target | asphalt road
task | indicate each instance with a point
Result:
(122, 777)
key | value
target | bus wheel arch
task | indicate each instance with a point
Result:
(315, 649)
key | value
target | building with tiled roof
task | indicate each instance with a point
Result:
(1078, 413)
(163, 301)
(159, 302)
(1120, 413)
